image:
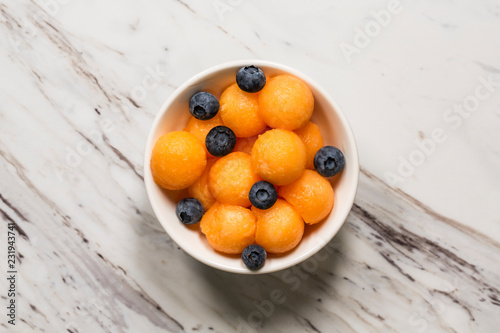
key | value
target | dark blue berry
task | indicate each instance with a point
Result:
(220, 141)
(190, 210)
(203, 105)
(263, 195)
(254, 256)
(250, 79)
(329, 161)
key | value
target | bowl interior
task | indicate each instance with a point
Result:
(334, 128)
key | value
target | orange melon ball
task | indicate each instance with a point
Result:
(200, 128)
(245, 145)
(286, 102)
(200, 189)
(311, 136)
(240, 111)
(178, 160)
(231, 179)
(279, 228)
(311, 195)
(279, 156)
(229, 228)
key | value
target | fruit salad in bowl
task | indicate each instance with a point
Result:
(251, 167)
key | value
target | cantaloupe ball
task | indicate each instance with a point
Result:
(229, 228)
(311, 195)
(286, 102)
(231, 178)
(177, 160)
(240, 111)
(279, 156)
(200, 189)
(311, 136)
(279, 228)
(245, 145)
(200, 128)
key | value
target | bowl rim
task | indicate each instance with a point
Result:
(309, 81)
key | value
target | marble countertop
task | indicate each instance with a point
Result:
(81, 82)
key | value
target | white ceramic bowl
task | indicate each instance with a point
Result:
(334, 127)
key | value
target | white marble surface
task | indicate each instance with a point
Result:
(77, 98)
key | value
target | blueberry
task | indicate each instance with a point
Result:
(329, 161)
(220, 141)
(263, 195)
(254, 256)
(203, 105)
(190, 210)
(250, 79)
